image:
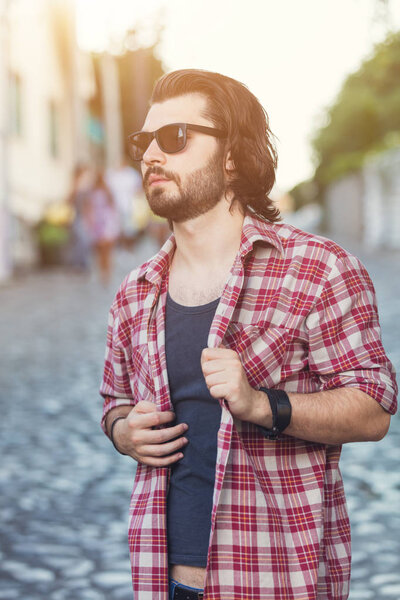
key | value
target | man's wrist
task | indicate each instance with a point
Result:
(113, 433)
(262, 414)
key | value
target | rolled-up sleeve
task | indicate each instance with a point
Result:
(345, 346)
(115, 386)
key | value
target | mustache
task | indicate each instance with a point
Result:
(162, 173)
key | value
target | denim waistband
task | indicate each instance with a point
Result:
(178, 591)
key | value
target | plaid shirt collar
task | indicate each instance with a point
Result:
(253, 231)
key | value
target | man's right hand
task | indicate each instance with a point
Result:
(138, 435)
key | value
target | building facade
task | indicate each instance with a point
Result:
(44, 89)
(365, 205)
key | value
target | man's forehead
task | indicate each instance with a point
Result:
(182, 109)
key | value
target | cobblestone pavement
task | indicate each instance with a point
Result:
(65, 492)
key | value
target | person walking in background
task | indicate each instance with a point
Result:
(103, 224)
(79, 242)
(239, 358)
(125, 184)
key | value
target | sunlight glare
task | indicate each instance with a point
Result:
(101, 24)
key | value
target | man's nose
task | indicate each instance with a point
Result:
(154, 154)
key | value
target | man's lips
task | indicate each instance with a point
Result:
(155, 179)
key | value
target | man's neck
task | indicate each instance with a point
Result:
(209, 241)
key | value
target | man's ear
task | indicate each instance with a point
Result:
(229, 164)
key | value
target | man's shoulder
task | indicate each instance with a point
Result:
(308, 253)
(294, 238)
(314, 253)
(298, 243)
(289, 239)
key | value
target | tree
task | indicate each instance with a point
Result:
(364, 118)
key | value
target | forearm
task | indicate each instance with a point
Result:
(332, 417)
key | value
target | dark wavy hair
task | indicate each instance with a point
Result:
(234, 109)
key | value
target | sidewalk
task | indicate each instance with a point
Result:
(65, 491)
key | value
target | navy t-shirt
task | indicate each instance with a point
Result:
(192, 478)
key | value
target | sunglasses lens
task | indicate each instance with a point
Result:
(171, 138)
(138, 144)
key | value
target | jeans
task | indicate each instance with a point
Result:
(172, 585)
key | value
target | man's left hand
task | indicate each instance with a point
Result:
(226, 378)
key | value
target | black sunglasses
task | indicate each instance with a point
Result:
(170, 138)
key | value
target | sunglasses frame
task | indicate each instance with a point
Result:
(185, 126)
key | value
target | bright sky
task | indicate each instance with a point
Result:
(293, 55)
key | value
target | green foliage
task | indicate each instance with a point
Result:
(305, 192)
(52, 235)
(364, 117)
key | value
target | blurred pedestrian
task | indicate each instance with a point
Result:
(79, 243)
(125, 184)
(103, 224)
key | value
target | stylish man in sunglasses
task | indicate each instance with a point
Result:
(239, 359)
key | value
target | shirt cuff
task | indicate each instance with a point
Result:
(111, 402)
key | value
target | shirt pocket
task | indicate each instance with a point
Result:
(262, 350)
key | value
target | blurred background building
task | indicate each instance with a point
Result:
(64, 104)
(46, 88)
(59, 107)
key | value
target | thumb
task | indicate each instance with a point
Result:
(144, 406)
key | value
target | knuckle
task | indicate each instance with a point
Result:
(134, 438)
(156, 419)
(131, 421)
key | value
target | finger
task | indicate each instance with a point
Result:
(160, 436)
(162, 462)
(149, 420)
(216, 365)
(161, 450)
(212, 353)
(219, 390)
(216, 379)
(143, 406)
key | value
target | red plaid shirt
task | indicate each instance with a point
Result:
(301, 313)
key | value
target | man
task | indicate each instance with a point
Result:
(238, 361)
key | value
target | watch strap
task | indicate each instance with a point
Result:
(281, 412)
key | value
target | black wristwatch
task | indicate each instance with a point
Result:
(281, 412)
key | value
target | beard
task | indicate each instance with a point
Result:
(200, 192)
